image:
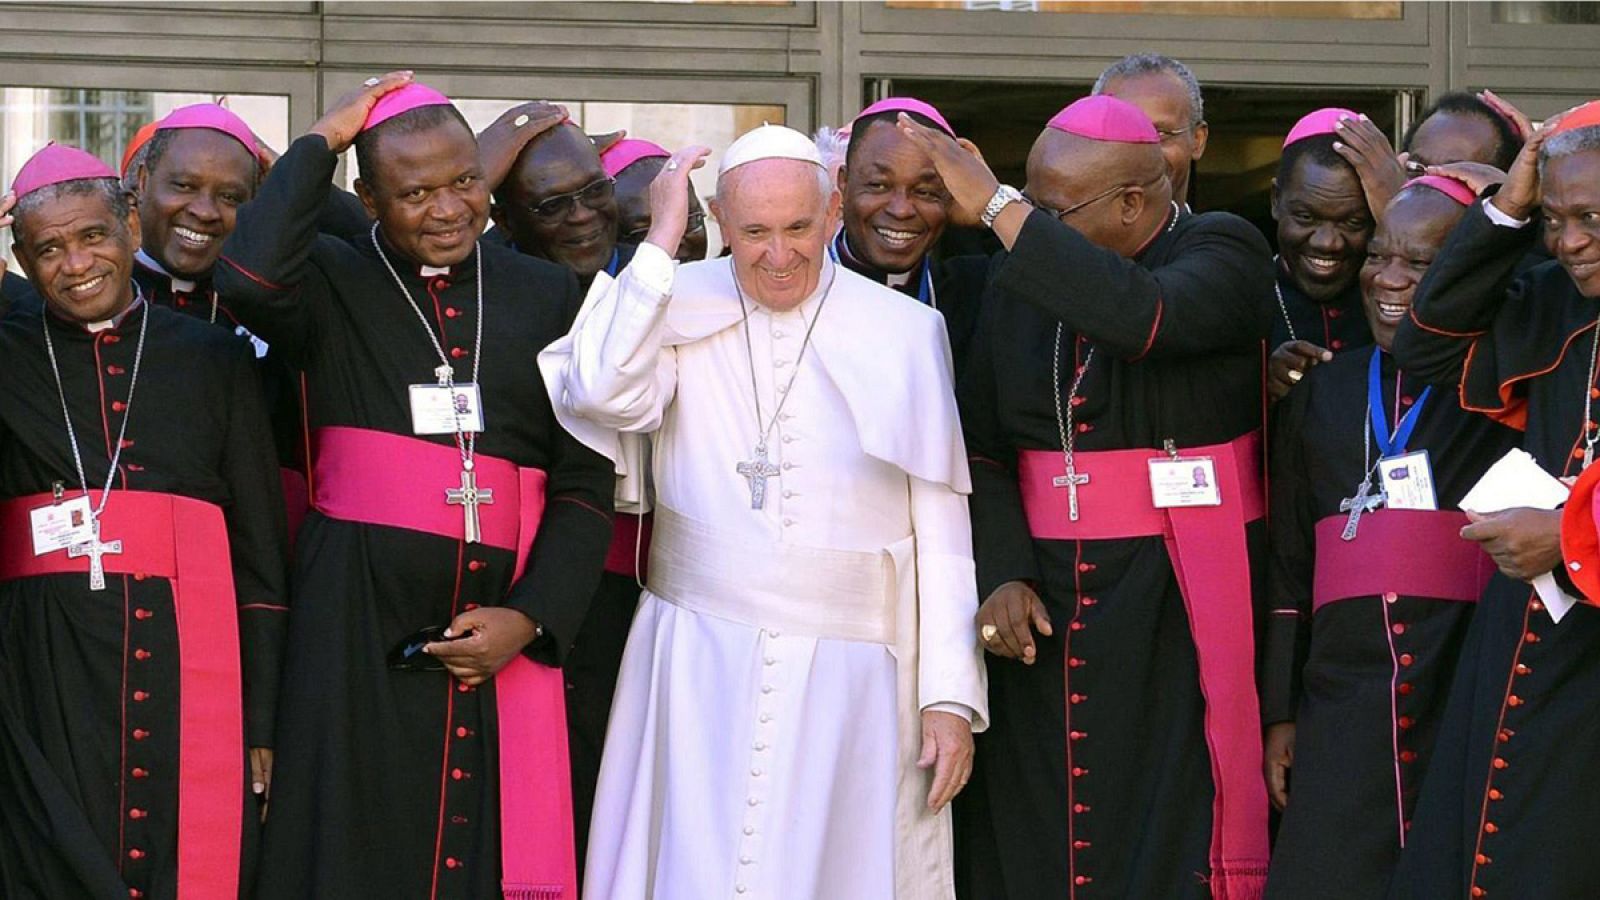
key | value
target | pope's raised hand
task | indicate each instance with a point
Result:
(962, 168)
(503, 140)
(669, 198)
(342, 122)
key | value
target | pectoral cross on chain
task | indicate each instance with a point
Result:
(1363, 502)
(757, 471)
(1070, 481)
(94, 548)
(468, 496)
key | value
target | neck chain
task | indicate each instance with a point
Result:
(1591, 435)
(127, 412)
(1284, 308)
(1072, 478)
(759, 468)
(465, 442)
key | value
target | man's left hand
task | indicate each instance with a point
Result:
(1380, 170)
(966, 176)
(494, 636)
(1525, 543)
(947, 747)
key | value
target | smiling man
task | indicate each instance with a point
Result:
(558, 203)
(895, 210)
(797, 702)
(1352, 703)
(1324, 223)
(142, 568)
(1517, 788)
(449, 557)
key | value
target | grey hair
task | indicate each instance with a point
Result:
(108, 189)
(130, 179)
(1578, 140)
(832, 145)
(1150, 64)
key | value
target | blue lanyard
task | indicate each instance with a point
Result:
(1389, 444)
(611, 267)
(925, 294)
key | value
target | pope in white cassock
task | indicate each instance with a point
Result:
(797, 701)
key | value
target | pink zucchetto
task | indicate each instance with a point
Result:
(1321, 121)
(214, 117)
(628, 151)
(908, 105)
(57, 163)
(403, 100)
(1455, 189)
(1105, 118)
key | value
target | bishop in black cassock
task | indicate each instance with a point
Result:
(117, 702)
(390, 779)
(1122, 325)
(1368, 614)
(1512, 794)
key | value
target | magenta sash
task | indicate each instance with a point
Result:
(185, 541)
(1414, 552)
(1212, 564)
(388, 479)
(630, 545)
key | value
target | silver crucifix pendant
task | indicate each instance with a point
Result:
(756, 471)
(95, 549)
(1363, 502)
(1070, 481)
(468, 497)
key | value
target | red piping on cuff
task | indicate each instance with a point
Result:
(253, 276)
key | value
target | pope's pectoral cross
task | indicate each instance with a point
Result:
(94, 548)
(468, 497)
(757, 471)
(1364, 501)
(1070, 481)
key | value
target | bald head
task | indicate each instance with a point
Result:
(558, 203)
(1115, 194)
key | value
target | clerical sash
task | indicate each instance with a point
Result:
(630, 545)
(1212, 564)
(185, 541)
(378, 478)
(1411, 552)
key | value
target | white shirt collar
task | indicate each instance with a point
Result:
(179, 285)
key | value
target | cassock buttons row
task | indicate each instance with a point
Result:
(1498, 763)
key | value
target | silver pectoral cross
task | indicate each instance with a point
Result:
(756, 471)
(468, 496)
(1363, 502)
(1070, 481)
(94, 548)
(444, 373)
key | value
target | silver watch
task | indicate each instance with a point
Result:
(1004, 196)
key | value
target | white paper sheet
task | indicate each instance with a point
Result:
(1516, 480)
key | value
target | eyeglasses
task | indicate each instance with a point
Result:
(1415, 169)
(407, 656)
(593, 195)
(697, 224)
(1167, 134)
(1063, 213)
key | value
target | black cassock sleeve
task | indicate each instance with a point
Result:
(258, 541)
(1291, 560)
(1216, 294)
(569, 551)
(343, 215)
(265, 271)
(1459, 302)
(1002, 545)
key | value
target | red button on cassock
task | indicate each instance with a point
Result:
(1407, 659)
(1491, 827)
(140, 734)
(141, 654)
(136, 853)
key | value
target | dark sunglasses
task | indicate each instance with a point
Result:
(594, 195)
(697, 224)
(407, 656)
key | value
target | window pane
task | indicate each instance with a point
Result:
(672, 125)
(1545, 13)
(1312, 9)
(103, 121)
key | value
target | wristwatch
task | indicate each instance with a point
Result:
(1004, 196)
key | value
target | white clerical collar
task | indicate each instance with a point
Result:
(179, 285)
(899, 279)
(433, 271)
(114, 321)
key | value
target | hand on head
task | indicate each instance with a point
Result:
(499, 144)
(1519, 196)
(966, 176)
(1476, 176)
(1519, 121)
(1366, 148)
(342, 122)
(669, 198)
